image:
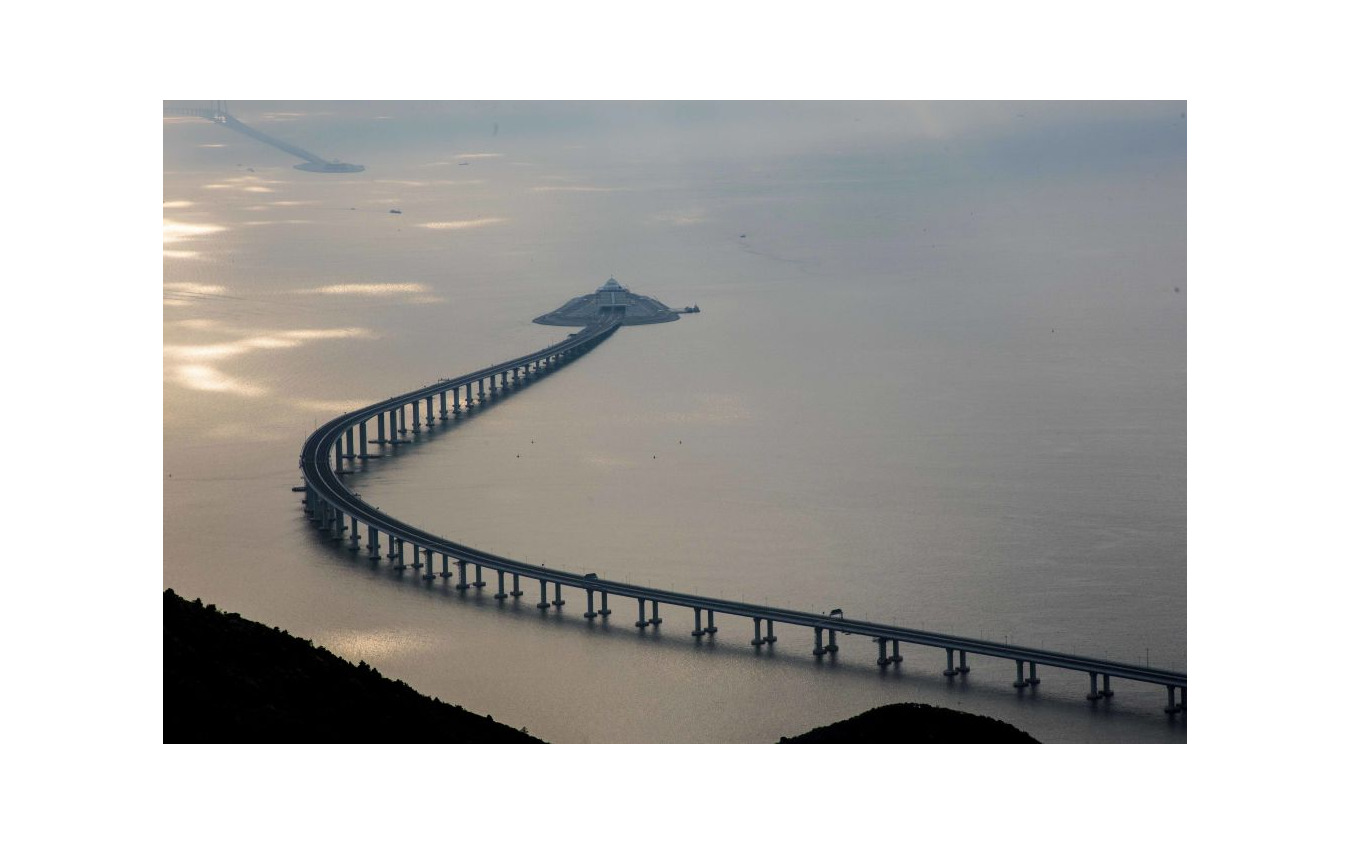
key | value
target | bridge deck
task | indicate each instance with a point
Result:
(323, 480)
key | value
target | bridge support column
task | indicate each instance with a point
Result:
(950, 672)
(379, 428)
(1106, 686)
(698, 623)
(355, 542)
(833, 646)
(431, 420)
(431, 564)
(819, 649)
(604, 604)
(463, 576)
(445, 414)
(590, 604)
(515, 586)
(1172, 708)
(455, 391)
(655, 620)
(351, 443)
(400, 566)
(478, 576)
(417, 416)
(769, 638)
(963, 668)
(364, 443)
(642, 613)
(501, 586)
(758, 640)
(373, 542)
(557, 595)
(393, 427)
(882, 659)
(1032, 678)
(543, 595)
(403, 419)
(895, 652)
(482, 396)
(1019, 683)
(337, 454)
(417, 557)
(1092, 690)
(445, 566)
(711, 627)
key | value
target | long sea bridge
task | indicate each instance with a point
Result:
(343, 442)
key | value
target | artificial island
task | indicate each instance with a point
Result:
(612, 301)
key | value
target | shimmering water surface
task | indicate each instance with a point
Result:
(939, 378)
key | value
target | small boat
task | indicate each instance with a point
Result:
(395, 211)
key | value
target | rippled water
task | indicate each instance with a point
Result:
(939, 378)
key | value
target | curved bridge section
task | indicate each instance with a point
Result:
(337, 510)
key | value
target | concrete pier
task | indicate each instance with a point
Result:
(1019, 683)
(698, 623)
(758, 640)
(557, 595)
(590, 604)
(819, 649)
(463, 576)
(543, 595)
(951, 671)
(655, 620)
(895, 652)
(515, 586)
(642, 614)
(501, 586)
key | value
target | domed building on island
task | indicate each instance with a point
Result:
(611, 299)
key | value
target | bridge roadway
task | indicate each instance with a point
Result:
(330, 503)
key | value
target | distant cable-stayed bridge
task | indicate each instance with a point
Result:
(219, 114)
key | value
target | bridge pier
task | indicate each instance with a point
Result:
(642, 613)
(698, 623)
(604, 604)
(365, 454)
(417, 416)
(355, 542)
(478, 576)
(455, 390)
(373, 542)
(1106, 686)
(655, 620)
(832, 647)
(444, 413)
(417, 556)
(543, 595)
(557, 595)
(1092, 692)
(819, 649)
(351, 443)
(769, 638)
(1019, 683)
(758, 640)
(482, 396)
(431, 421)
(882, 659)
(445, 566)
(1033, 679)
(400, 566)
(515, 586)
(1172, 708)
(895, 652)
(711, 628)
(431, 564)
(463, 576)
(337, 453)
(403, 419)
(501, 586)
(963, 668)
(590, 605)
(379, 428)
(393, 427)
(950, 672)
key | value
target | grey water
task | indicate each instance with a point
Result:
(939, 378)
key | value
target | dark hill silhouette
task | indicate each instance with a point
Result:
(914, 723)
(228, 679)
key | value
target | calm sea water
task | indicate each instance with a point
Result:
(939, 378)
